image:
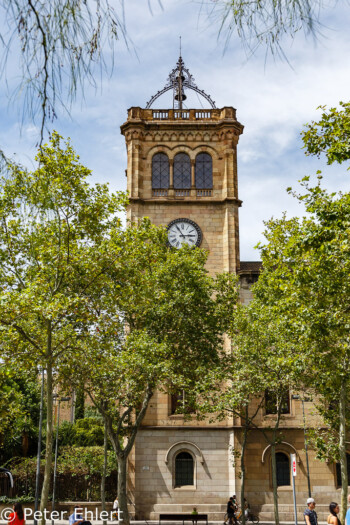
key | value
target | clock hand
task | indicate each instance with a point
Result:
(182, 235)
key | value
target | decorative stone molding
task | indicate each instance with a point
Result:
(281, 450)
(171, 151)
(180, 135)
(184, 446)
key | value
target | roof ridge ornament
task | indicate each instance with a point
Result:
(180, 79)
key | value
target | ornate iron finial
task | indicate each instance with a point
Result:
(180, 79)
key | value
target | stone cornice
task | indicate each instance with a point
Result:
(164, 120)
(188, 200)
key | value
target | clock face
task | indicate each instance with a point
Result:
(184, 231)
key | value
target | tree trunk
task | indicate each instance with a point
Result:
(342, 450)
(274, 482)
(123, 454)
(244, 442)
(103, 477)
(49, 435)
(273, 460)
(122, 489)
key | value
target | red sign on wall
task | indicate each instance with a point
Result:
(294, 464)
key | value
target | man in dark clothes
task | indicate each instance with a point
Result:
(310, 515)
(231, 512)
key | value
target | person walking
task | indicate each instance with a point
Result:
(310, 516)
(77, 517)
(17, 516)
(231, 511)
(333, 517)
(115, 508)
(347, 517)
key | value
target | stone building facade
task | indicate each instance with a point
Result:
(166, 181)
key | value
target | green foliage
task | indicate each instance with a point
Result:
(18, 499)
(83, 433)
(52, 222)
(89, 432)
(11, 403)
(84, 460)
(24, 467)
(330, 135)
(176, 324)
(306, 278)
(73, 461)
(66, 434)
(79, 403)
(159, 318)
(54, 228)
(325, 443)
(19, 412)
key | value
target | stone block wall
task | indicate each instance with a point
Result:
(155, 451)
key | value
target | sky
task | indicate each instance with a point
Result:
(274, 99)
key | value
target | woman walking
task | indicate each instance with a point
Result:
(333, 517)
(17, 516)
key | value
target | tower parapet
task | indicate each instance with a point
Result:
(149, 132)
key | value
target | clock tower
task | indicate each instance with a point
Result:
(182, 164)
(182, 173)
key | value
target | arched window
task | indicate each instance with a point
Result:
(204, 171)
(182, 172)
(283, 470)
(338, 470)
(160, 171)
(184, 467)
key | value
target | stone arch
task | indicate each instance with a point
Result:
(159, 148)
(205, 148)
(183, 446)
(285, 447)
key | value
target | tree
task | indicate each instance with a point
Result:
(52, 227)
(159, 322)
(306, 275)
(330, 135)
(266, 23)
(60, 44)
(262, 360)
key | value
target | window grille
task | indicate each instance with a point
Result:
(184, 467)
(182, 171)
(283, 470)
(160, 171)
(204, 171)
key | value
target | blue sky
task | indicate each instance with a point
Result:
(273, 100)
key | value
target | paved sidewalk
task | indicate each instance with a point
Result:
(155, 522)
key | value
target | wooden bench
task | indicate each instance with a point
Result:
(183, 517)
